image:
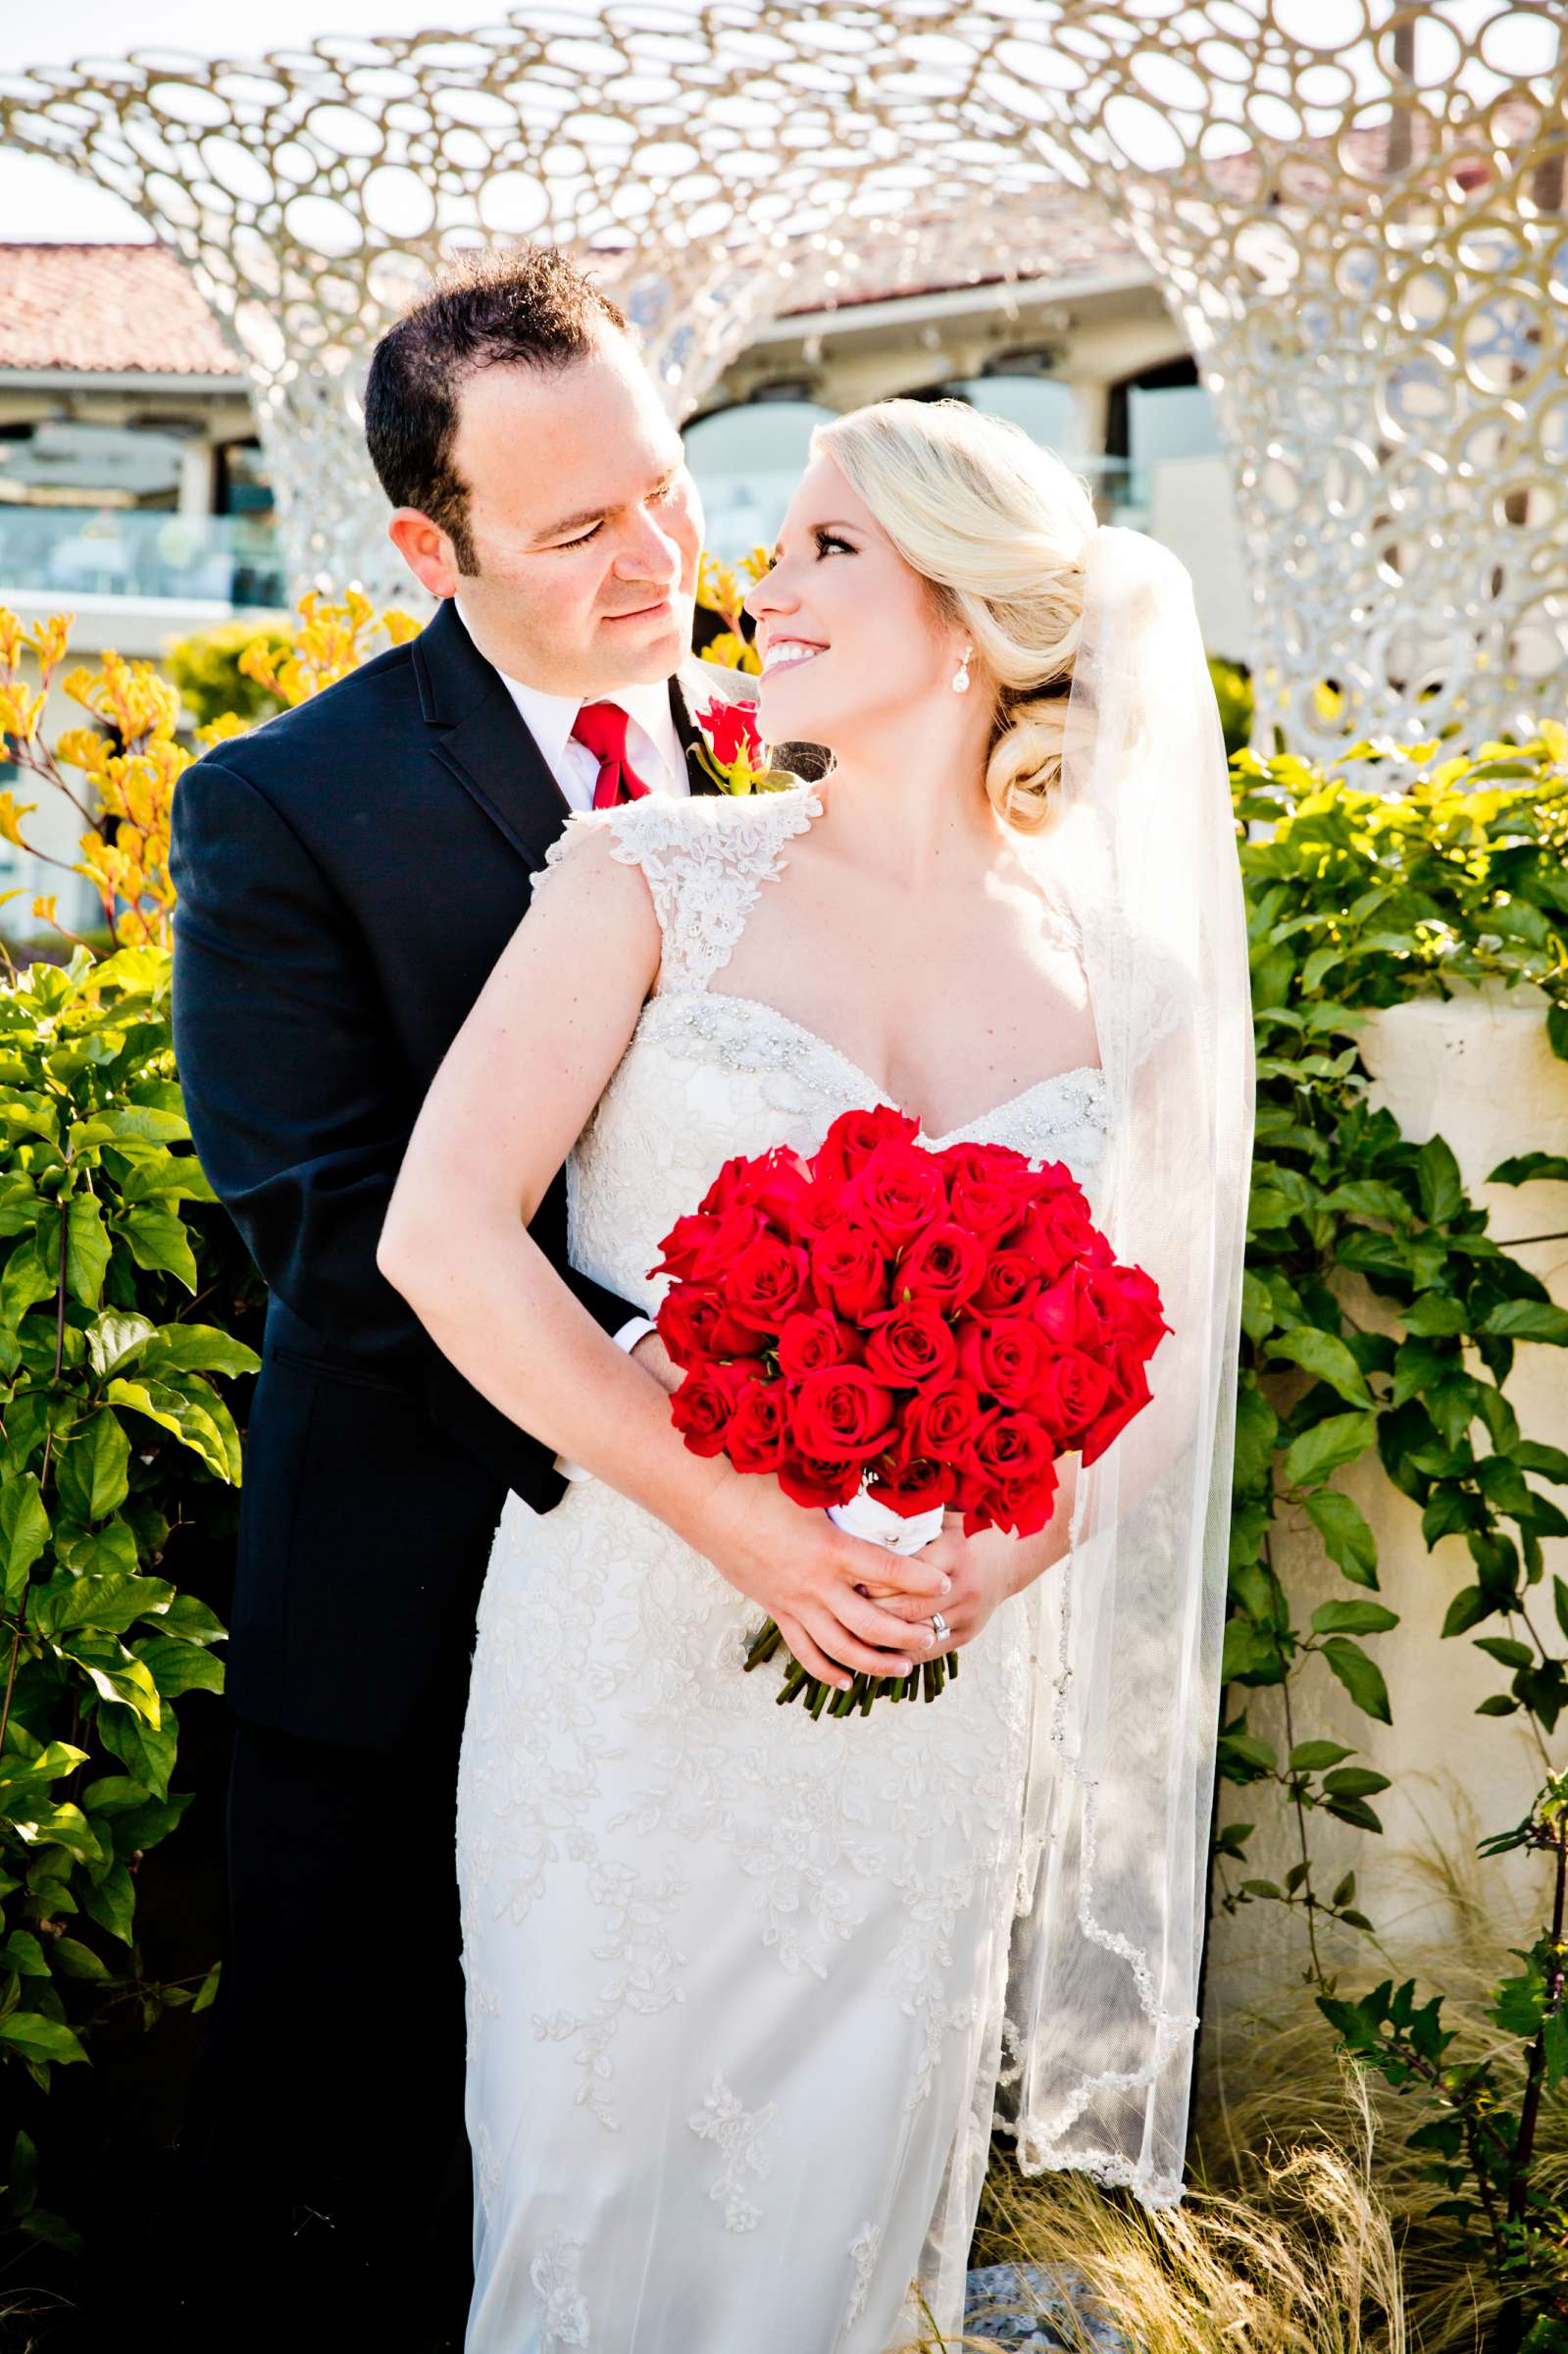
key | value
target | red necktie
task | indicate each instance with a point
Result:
(602, 727)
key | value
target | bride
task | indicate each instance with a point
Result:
(747, 1991)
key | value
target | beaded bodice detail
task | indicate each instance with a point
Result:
(707, 1074)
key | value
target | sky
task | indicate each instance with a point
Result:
(42, 199)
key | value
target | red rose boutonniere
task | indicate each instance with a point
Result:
(732, 753)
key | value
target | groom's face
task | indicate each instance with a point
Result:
(586, 525)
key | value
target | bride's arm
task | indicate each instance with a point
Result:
(520, 1082)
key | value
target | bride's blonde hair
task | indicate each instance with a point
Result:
(1000, 529)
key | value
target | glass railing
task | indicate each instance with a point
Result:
(744, 510)
(107, 551)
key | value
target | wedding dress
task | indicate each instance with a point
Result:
(734, 1977)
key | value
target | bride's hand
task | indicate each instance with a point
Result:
(986, 1569)
(813, 1580)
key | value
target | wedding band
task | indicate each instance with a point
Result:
(939, 1626)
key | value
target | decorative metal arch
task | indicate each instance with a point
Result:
(1354, 209)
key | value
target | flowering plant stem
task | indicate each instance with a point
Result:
(926, 1675)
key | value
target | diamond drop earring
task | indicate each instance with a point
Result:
(961, 674)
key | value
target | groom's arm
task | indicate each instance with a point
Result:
(299, 1101)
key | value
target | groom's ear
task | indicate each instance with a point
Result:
(425, 549)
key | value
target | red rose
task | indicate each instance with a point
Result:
(1068, 1313)
(759, 1427)
(1131, 1303)
(1014, 1457)
(1009, 1287)
(942, 1422)
(909, 1483)
(695, 1326)
(811, 1340)
(731, 728)
(985, 1186)
(849, 1271)
(700, 1249)
(818, 1480)
(909, 1346)
(822, 1208)
(855, 1135)
(764, 1283)
(942, 1269)
(1072, 1390)
(1057, 1231)
(1006, 1358)
(899, 1192)
(842, 1412)
(1129, 1394)
(702, 1407)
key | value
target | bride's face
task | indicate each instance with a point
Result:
(847, 629)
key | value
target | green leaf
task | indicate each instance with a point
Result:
(24, 1530)
(30, 1273)
(1361, 1677)
(1257, 1428)
(1467, 1609)
(112, 1902)
(23, 1953)
(1438, 1177)
(1310, 1757)
(1326, 1444)
(177, 1667)
(113, 1336)
(198, 1348)
(1434, 1314)
(1355, 1781)
(1532, 1454)
(1560, 1596)
(1552, 1166)
(1353, 1619)
(1557, 1031)
(1505, 1651)
(87, 1248)
(147, 1753)
(1249, 1651)
(93, 1467)
(1323, 1354)
(78, 1960)
(158, 1242)
(172, 1412)
(38, 2038)
(1370, 1198)
(1345, 1535)
(1527, 1320)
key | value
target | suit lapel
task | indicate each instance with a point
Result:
(688, 692)
(478, 736)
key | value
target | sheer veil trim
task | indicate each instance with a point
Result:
(1128, 1629)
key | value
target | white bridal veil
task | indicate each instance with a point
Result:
(1107, 1943)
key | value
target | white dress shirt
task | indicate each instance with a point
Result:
(655, 749)
(652, 744)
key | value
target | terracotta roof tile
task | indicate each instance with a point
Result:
(109, 309)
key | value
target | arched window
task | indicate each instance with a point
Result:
(746, 461)
(1157, 415)
(1042, 404)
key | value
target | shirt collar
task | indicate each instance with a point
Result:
(550, 718)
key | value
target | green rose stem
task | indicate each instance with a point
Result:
(929, 1677)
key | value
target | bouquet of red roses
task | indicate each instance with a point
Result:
(927, 1329)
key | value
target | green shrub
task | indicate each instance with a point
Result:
(204, 667)
(1233, 692)
(112, 1432)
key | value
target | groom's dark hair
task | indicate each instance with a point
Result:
(525, 306)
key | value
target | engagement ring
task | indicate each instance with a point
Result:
(941, 1626)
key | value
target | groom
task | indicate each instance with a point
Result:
(347, 877)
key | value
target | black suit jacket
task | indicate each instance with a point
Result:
(347, 876)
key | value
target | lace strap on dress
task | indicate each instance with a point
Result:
(703, 860)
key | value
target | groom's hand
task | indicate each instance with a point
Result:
(811, 1579)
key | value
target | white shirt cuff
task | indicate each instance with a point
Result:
(634, 1329)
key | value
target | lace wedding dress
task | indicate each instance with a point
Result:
(734, 1977)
